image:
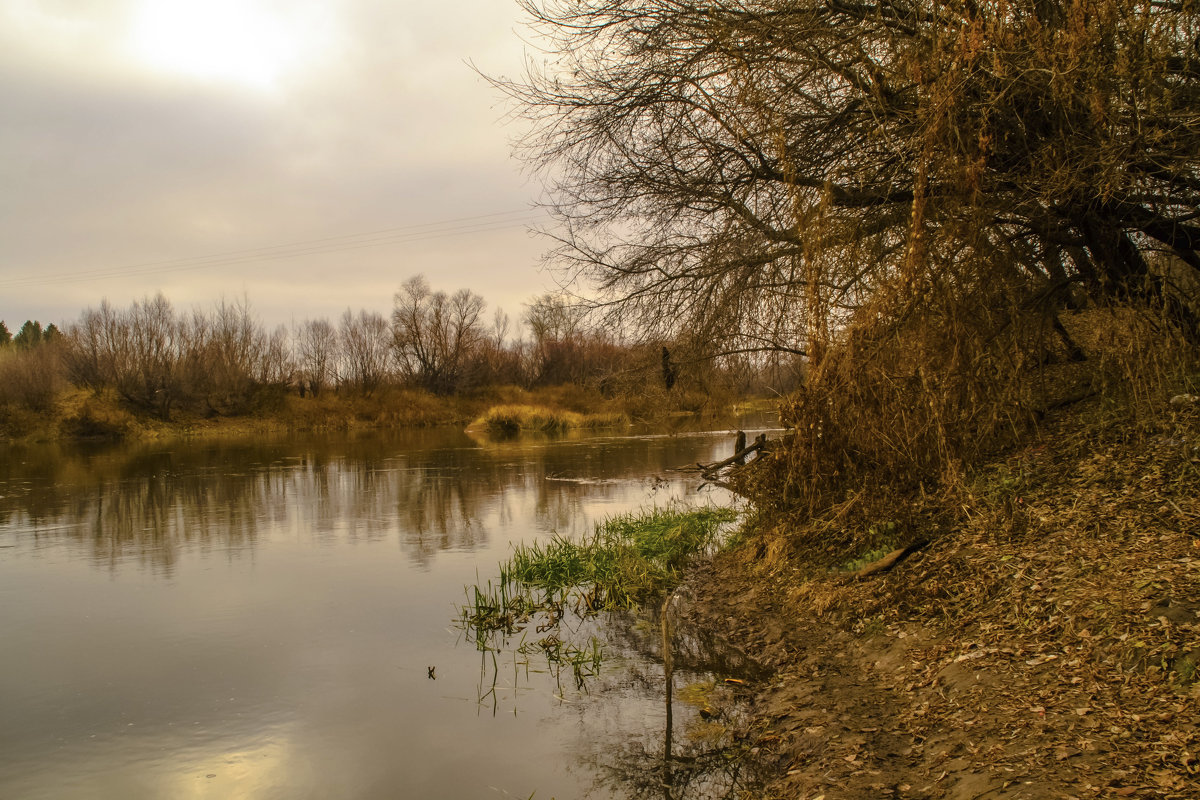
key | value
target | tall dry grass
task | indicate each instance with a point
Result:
(898, 413)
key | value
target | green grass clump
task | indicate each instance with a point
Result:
(585, 661)
(625, 561)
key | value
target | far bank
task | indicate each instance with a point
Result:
(86, 415)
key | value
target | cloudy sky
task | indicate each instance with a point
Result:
(309, 154)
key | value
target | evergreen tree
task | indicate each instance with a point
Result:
(29, 336)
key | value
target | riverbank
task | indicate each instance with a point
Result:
(1043, 644)
(81, 414)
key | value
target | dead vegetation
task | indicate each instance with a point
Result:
(973, 225)
(1044, 643)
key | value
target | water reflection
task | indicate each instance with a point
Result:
(436, 490)
(264, 612)
(653, 733)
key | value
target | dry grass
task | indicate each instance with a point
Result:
(509, 420)
(391, 407)
(30, 379)
(1055, 606)
(75, 413)
(888, 427)
(1046, 641)
(512, 419)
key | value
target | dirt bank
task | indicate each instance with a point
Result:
(1043, 645)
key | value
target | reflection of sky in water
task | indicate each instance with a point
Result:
(264, 613)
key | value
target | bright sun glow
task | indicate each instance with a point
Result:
(226, 40)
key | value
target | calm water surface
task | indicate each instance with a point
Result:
(258, 619)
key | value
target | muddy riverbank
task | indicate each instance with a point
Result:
(1044, 644)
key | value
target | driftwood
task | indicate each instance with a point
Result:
(712, 473)
(890, 560)
(760, 444)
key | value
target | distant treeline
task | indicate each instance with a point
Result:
(223, 361)
(30, 334)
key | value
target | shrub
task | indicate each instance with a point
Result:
(31, 378)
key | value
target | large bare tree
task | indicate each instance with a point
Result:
(757, 174)
(434, 334)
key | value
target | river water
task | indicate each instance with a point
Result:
(275, 618)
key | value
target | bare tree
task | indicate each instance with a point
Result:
(434, 334)
(365, 341)
(553, 317)
(496, 360)
(316, 354)
(274, 364)
(758, 174)
(556, 328)
(221, 350)
(91, 347)
(147, 372)
(566, 346)
(501, 324)
(213, 363)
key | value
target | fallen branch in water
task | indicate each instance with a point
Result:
(760, 444)
(712, 473)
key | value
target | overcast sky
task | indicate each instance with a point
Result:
(151, 145)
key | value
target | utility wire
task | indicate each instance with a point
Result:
(405, 234)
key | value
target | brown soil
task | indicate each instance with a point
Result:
(1044, 645)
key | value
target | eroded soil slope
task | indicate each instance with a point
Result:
(1043, 645)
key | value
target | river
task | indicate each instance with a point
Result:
(275, 618)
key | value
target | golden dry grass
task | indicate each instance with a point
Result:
(511, 419)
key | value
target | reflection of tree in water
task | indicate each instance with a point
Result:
(148, 504)
(625, 746)
(144, 504)
(697, 771)
(435, 489)
(694, 759)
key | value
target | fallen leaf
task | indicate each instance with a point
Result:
(1034, 662)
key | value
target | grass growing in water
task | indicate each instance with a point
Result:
(507, 420)
(584, 661)
(625, 561)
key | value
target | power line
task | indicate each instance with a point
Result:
(459, 226)
(328, 244)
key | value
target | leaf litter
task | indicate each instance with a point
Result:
(1045, 644)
